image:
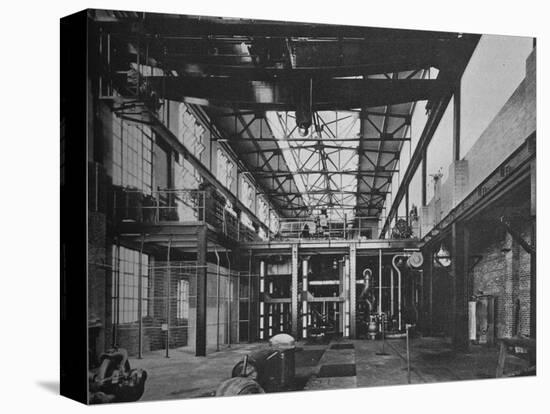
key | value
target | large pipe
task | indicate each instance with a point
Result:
(392, 299)
(398, 284)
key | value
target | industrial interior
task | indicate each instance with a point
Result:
(358, 193)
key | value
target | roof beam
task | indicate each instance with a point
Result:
(285, 95)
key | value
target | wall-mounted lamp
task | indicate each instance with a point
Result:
(443, 257)
(335, 264)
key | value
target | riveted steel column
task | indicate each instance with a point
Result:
(305, 263)
(352, 284)
(262, 303)
(200, 342)
(294, 290)
(459, 286)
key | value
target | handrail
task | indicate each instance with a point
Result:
(166, 206)
(357, 228)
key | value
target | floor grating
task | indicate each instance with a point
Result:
(337, 370)
(342, 346)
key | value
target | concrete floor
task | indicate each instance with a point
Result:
(432, 360)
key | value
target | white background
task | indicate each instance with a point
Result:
(29, 211)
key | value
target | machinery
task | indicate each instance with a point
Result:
(272, 369)
(114, 380)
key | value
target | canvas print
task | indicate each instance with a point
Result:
(280, 206)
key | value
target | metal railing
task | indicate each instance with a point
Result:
(180, 206)
(159, 206)
(358, 228)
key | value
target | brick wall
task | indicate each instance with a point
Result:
(504, 272)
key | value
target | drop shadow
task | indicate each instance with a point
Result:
(51, 386)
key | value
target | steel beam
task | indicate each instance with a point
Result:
(282, 95)
(437, 108)
(429, 129)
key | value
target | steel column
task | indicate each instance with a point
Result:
(168, 283)
(456, 121)
(304, 296)
(352, 288)
(424, 176)
(200, 343)
(459, 285)
(262, 303)
(429, 263)
(140, 300)
(379, 282)
(294, 290)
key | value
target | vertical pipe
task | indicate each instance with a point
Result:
(392, 294)
(140, 300)
(398, 286)
(399, 294)
(168, 287)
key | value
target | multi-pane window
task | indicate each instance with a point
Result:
(273, 222)
(247, 193)
(191, 134)
(125, 285)
(183, 299)
(225, 169)
(263, 210)
(132, 155)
